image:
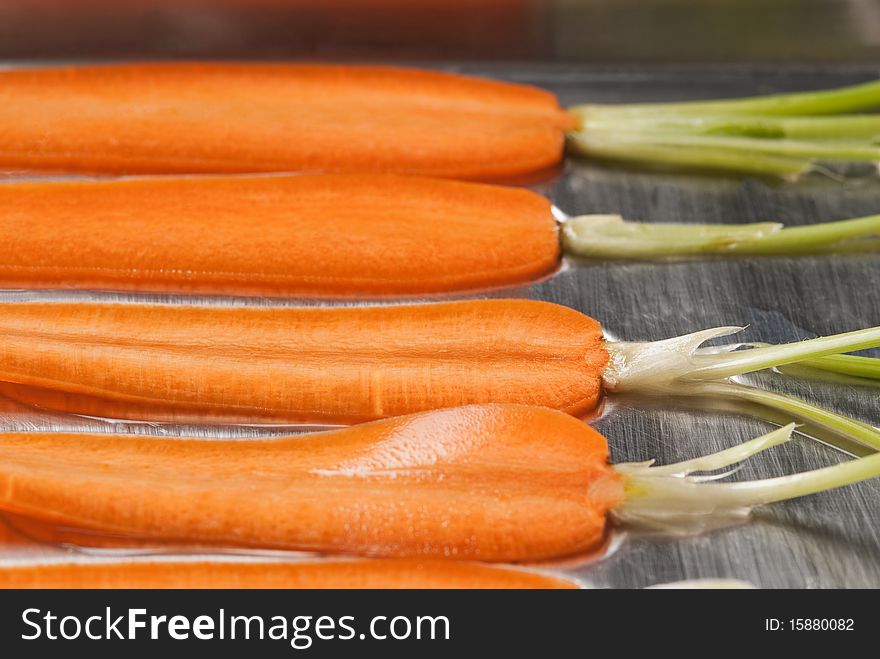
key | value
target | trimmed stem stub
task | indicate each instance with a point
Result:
(612, 237)
(776, 135)
(671, 500)
(655, 365)
(680, 367)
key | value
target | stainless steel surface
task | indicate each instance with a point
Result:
(829, 540)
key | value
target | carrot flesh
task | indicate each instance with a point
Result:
(319, 574)
(333, 365)
(330, 235)
(238, 118)
(496, 483)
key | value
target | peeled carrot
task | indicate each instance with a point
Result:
(236, 118)
(336, 235)
(307, 364)
(497, 483)
(204, 118)
(332, 235)
(527, 483)
(337, 365)
(314, 574)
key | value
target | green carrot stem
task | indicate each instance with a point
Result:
(850, 365)
(691, 157)
(611, 237)
(840, 426)
(862, 129)
(753, 493)
(776, 135)
(679, 367)
(657, 365)
(727, 457)
(725, 365)
(668, 498)
(674, 502)
(853, 98)
(852, 127)
(785, 148)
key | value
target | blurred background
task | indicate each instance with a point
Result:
(755, 33)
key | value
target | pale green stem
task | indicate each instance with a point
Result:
(861, 129)
(752, 146)
(852, 127)
(838, 425)
(754, 493)
(678, 366)
(710, 367)
(666, 498)
(689, 157)
(612, 237)
(853, 98)
(656, 364)
(777, 135)
(854, 366)
(726, 457)
(851, 365)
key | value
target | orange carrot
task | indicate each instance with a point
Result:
(496, 483)
(237, 118)
(10, 536)
(332, 235)
(320, 574)
(203, 118)
(307, 364)
(337, 235)
(492, 483)
(345, 365)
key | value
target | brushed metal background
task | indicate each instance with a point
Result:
(828, 540)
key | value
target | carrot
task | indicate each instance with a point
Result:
(11, 537)
(337, 235)
(332, 235)
(306, 364)
(339, 365)
(498, 483)
(237, 118)
(309, 574)
(213, 118)
(526, 483)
